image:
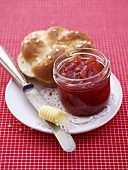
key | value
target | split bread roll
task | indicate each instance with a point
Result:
(41, 48)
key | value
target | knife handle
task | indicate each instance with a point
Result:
(8, 63)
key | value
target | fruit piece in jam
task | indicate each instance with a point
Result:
(78, 68)
(89, 100)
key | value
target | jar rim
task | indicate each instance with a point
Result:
(85, 52)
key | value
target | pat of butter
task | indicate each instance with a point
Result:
(54, 115)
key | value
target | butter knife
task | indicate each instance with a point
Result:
(36, 99)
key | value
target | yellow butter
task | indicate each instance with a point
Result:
(54, 115)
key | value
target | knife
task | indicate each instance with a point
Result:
(36, 99)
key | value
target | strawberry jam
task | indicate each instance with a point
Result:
(77, 68)
(83, 81)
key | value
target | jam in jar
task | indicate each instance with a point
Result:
(83, 81)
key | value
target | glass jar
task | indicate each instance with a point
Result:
(83, 96)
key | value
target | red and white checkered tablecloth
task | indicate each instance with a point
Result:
(106, 22)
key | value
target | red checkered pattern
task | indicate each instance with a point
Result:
(22, 148)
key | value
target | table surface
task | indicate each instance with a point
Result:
(106, 22)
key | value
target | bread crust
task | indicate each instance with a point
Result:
(41, 48)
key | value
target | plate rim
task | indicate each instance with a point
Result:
(72, 132)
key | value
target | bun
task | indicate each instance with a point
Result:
(41, 48)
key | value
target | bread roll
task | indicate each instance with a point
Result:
(41, 48)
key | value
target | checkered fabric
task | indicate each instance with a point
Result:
(106, 22)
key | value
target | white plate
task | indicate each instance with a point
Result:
(25, 112)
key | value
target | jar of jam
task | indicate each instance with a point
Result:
(83, 81)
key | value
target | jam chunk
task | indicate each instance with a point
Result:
(78, 68)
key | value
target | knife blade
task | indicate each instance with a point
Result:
(36, 99)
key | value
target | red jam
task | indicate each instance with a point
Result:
(78, 68)
(83, 84)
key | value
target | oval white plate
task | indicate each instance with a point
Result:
(25, 112)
